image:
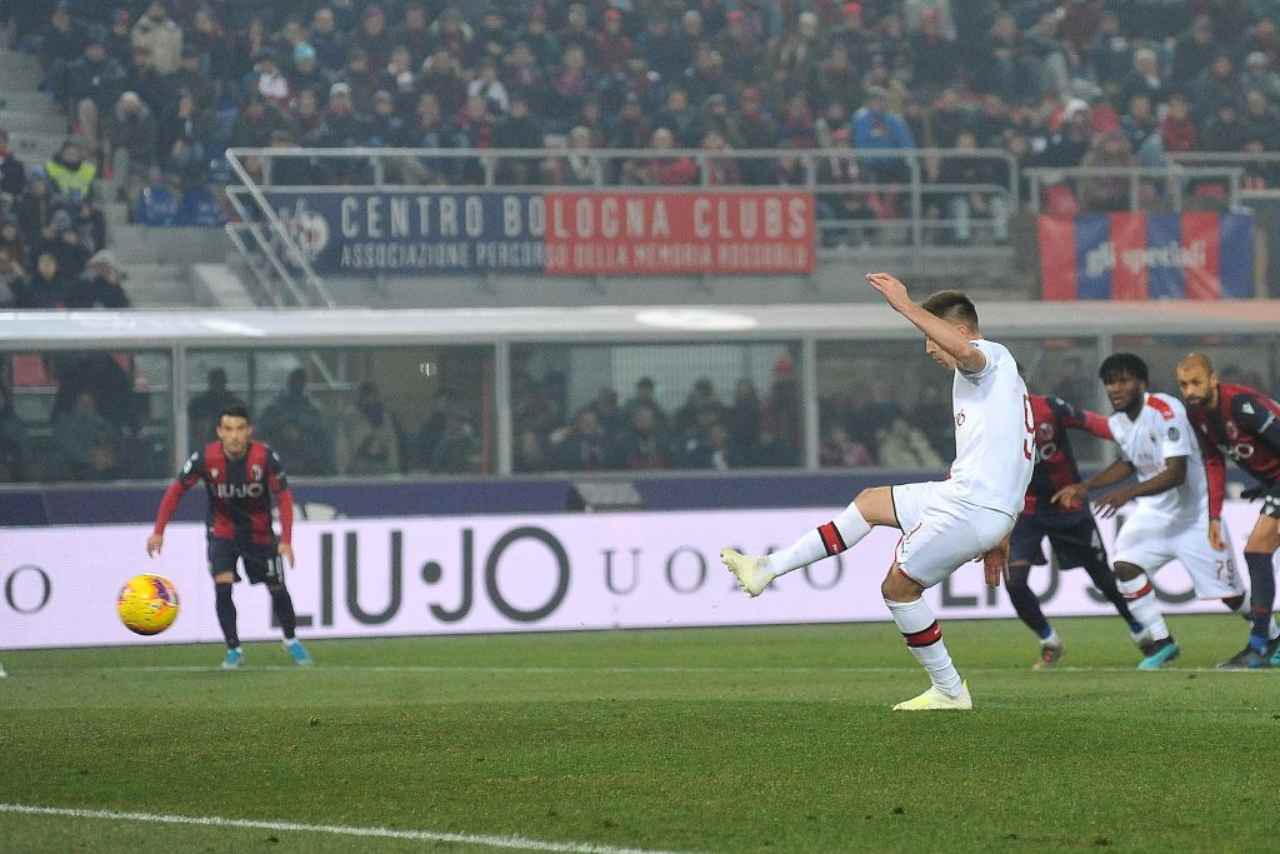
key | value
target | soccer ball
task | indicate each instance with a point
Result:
(148, 604)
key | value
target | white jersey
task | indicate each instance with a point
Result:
(995, 442)
(1160, 431)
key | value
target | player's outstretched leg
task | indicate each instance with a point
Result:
(226, 608)
(282, 604)
(1140, 596)
(1027, 605)
(755, 572)
(923, 635)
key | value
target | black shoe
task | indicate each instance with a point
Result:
(1246, 659)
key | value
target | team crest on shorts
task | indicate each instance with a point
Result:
(960, 418)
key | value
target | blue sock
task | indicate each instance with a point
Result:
(1258, 643)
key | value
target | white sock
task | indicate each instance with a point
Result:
(842, 532)
(1052, 639)
(924, 638)
(1141, 598)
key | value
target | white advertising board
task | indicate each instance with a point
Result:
(464, 574)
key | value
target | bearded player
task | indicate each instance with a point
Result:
(1241, 423)
(1072, 533)
(1171, 517)
(241, 476)
(944, 523)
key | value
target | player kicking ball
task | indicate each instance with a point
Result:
(241, 476)
(1073, 535)
(1241, 423)
(1171, 520)
(944, 523)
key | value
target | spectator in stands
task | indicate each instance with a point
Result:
(47, 289)
(702, 397)
(133, 130)
(190, 79)
(1214, 86)
(13, 276)
(306, 73)
(745, 416)
(1140, 126)
(459, 450)
(89, 444)
(268, 81)
(1225, 131)
(62, 39)
(71, 174)
(67, 246)
(1260, 119)
(161, 36)
(1178, 130)
(255, 124)
(90, 88)
(204, 410)
(34, 210)
(643, 444)
(1194, 52)
(295, 427)
(875, 128)
(329, 43)
(1259, 75)
(13, 174)
(1144, 79)
(1108, 192)
(13, 440)
(369, 437)
(11, 239)
(159, 202)
(581, 446)
(101, 285)
(670, 170)
(839, 450)
(644, 397)
(414, 32)
(530, 452)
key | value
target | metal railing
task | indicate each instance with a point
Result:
(1168, 184)
(882, 197)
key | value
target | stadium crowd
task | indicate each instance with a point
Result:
(1053, 82)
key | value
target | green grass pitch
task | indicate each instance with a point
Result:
(773, 739)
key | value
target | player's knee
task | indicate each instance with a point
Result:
(899, 587)
(1127, 571)
(227, 578)
(1016, 577)
(273, 589)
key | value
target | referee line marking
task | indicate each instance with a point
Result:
(622, 669)
(520, 843)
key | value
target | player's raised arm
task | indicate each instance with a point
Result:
(192, 471)
(943, 333)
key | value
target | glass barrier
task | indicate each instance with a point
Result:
(356, 412)
(887, 404)
(1245, 359)
(648, 406)
(85, 416)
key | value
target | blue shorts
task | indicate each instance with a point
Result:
(1075, 541)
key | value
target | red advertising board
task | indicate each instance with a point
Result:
(763, 232)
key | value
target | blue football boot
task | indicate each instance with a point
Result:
(235, 657)
(1164, 652)
(297, 652)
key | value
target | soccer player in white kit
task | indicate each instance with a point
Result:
(944, 523)
(1171, 518)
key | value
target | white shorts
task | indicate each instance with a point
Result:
(1150, 540)
(941, 532)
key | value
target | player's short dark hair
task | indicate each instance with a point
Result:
(952, 305)
(235, 410)
(1119, 365)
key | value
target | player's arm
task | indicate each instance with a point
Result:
(995, 561)
(278, 484)
(970, 359)
(1081, 419)
(1257, 419)
(1215, 472)
(1074, 495)
(192, 471)
(1173, 476)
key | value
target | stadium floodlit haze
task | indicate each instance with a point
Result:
(638, 425)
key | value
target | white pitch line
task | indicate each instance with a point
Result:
(517, 842)
(537, 671)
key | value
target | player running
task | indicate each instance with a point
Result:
(1238, 422)
(241, 475)
(944, 523)
(1072, 533)
(1171, 520)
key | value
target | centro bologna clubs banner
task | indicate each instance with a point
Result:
(569, 234)
(450, 575)
(1136, 256)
